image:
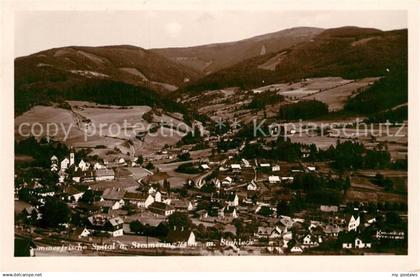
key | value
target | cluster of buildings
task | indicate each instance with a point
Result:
(240, 194)
(82, 171)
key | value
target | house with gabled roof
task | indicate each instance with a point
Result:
(296, 249)
(265, 165)
(268, 232)
(311, 240)
(114, 226)
(83, 165)
(71, 193)
(109, 205)
(81, 232)
(286, 221)
(227, 181)
(157, 196)
(228, 212)
(105, 224)
(161, 208)
(64, 163)
(181, 205)
(97, 166)
(54, 159)
(273, 179)
(328, 208)
(54, 167)
(354, 223)
(139, 199)
(235, 167)
(361, 244)
(104, 175)
(275, 168)
(113, 193)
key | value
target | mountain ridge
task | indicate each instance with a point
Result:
(212, 57)
(283, 56)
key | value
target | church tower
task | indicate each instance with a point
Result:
(71, 158)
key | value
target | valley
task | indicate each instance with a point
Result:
(278, 144)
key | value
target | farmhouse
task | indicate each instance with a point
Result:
(227, 181)
(77, 175)
(54, 159)
(273, 179)
(104, 175)
(81, 233)
(229, 212)
(182, 205)
(268, 232)
(311, 240)
(235, 167)
(328, 209)
(349, 241)
(114, 226)
(286, 221)
(121, 161)
(83, 165)
(311, 168)
(64, 163)
(97, 221)
(107, 205)
(288, 179)
(275, 168)
(139, 199)
(161, 208)
(88, 176)
(358, 243)
(353, 223)
(54, 167)
(296, 249)
(146, 201)
(97, 166)
(72, 193)
(116, 194)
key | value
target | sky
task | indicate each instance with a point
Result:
(40, 30)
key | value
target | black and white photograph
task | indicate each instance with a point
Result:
(211, 132)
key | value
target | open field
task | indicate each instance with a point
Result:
(110, 131)
(176, 179)
(231, 103)
(337, 96)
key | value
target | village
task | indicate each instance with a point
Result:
(181, 201)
